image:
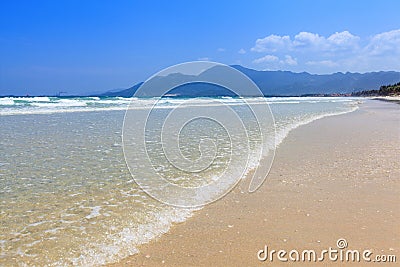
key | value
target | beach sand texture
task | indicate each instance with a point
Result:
(337, 177)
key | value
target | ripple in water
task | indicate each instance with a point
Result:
(67, 197)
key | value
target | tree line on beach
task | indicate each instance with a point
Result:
(384, 90)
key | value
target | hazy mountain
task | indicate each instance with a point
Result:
(274, 83)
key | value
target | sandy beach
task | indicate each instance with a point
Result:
(334, 178)
(203, 133)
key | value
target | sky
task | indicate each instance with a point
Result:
(90, 46)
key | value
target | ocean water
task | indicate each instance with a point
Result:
(67, 196)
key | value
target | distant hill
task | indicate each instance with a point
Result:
(123, 93)
(278, 83)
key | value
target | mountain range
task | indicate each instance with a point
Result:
(276, 83)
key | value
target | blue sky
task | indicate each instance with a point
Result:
(93, 46)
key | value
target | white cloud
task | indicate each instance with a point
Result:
(267, 58)
(337, 41)
(308, 39)
(290, 61)
(342, 40)
(271, 43)
(272, 60)
(221, 49)
(386, 42)
(324, 63)
(204, 59)
(340, 51)
(242, 51)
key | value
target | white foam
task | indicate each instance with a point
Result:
(6, 101)
(94, 213)
(125, 242)
(61, 103)
(46, 105)
(283, 133)
(33, 99)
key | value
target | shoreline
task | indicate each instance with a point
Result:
(395, 99)
(300, 199)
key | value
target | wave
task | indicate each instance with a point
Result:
(49, 105)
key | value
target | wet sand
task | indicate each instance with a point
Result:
(337, 177)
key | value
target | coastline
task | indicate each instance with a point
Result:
(333, 178)
(395, 99)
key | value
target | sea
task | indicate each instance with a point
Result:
(70, 196)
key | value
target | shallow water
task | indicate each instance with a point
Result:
(66, 194)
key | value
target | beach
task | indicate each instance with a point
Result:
(67, 197)
(199, 134)
(334, 178)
